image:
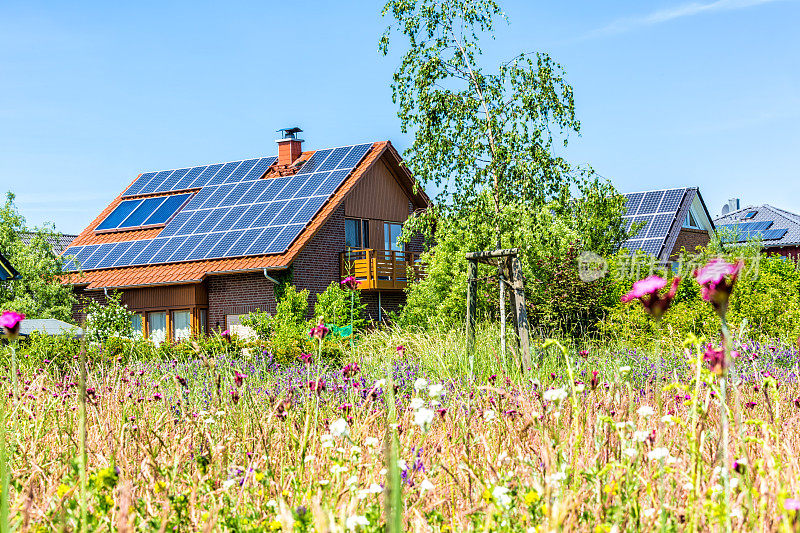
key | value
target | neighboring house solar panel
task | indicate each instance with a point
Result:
(656, 213)
(749, 215)
(233, 214)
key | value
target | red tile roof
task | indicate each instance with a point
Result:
(195, 271)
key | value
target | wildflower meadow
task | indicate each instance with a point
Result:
(406, 432)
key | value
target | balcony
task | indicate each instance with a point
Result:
(381, 269)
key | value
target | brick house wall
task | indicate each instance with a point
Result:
(237, 294)
(82, 295)
(690, 239)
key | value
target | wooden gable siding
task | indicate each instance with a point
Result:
(166, 297)
(377, 196)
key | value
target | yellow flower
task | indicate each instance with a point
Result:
(611, 488)
(259, 476)
(531, 497)
(62, 490)
(204, 516)
(159, 486)
(275, 526)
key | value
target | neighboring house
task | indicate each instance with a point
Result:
(58, 243)
(673, 219)
(48, 326)
(196, 248)
(7, 272)
(779, 230)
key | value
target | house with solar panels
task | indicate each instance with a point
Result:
(671, 220)
(777, 229)
(193, 249)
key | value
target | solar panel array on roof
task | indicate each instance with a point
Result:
(743, 232)
(232, 215)
(655, 212)
(143, 212)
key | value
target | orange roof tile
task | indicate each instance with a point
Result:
(196, 271)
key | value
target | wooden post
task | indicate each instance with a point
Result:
(472, 294)
(521, 314)
(369, 270)
(502, 310)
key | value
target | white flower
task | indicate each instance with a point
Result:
(416, 403)
(380, 383)
(557, 477)
(349, 481)
(372, 489)
(383, 472)
(658, 454)
(649, 512)
(688, 486)
(640, 436)
(423, 417)
(630, 452)
(371, 441)
(489, 415)
(425, 485)
(323, 482)
(355, 521)
(309, 459)
(669, 420)
(622, 426)
(420, 384)
(555, 395)
(338, 469)
(734, 482)
(327, 440)
(500, 495)
(272, 503)
(435, 390)
(580, 387)
(339, 428)
(645, 411)
(228, 483)
(624, 370)
(402, 465)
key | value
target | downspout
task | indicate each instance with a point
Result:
(380, 313)
(273, 280)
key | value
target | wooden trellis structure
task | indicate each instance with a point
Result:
(509, 270)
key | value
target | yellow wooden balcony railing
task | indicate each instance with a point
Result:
(381, 269)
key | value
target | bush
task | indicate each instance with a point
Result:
(110, 320)
(286, 333)
(333, 305)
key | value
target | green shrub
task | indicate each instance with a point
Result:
(110, 320)
(285, 334)
(334, 305)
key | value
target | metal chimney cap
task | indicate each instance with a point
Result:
(290, 133)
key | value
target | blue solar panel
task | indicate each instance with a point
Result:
(260, 168)
(224, 172)
(236, 194)
(254, 192)
(169, 248)
(219, 195)
(167, 209)
(210, 221)
(241, 171)
(261, 244)
(186, 181)
(774, 234)
(334, 159)
(288, 212)
(68, 258)
(195, 223)
(355, 156)
(266, 217)
(650, 203)
(220, 249)
(652, 246)
(169, 183)
(313, 183)
(332, 183)
(632, 202)
(275, 186)
(244, 242)
(644, 222)
(119, 214)
(157, 180)
(142, 213)
(173, 226)
(140, 182)
(128, 257)
(307, 212)
(249, 217)
(83, 255)
(200, 198)
(205, 176)
(205, 245)
(284, 239)
(99, 253)
(114, 255)
(230, 218)
(314, 161)
(186, 248)
(660, 225)
(749, 215)
(150, 251)
(672, 200)
(292, 187)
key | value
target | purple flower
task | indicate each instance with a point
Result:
(238, 378)
(181, 381)
(350, 370)
(350, 282)
(306, 358)
(646, 291)
(10, 322)
(319, 331)
(716, 281)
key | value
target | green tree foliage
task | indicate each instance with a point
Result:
(39, 294)
(334, 303)
(478, 132)
(285, 332)
(110, 320)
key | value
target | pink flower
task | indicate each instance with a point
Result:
(226, 335)
(401, 351)
(238, 378)
(319, 331)
(646, 290)
(351, 282)
(791, 504)
(10, 321)
(716, 281)
(306, 358)
(715, 358)
(350, 370)
(584, 353)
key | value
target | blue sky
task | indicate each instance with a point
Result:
(669, 93)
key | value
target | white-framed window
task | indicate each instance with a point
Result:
(157, 326)
(181, 325)
(691, 220)
(137, 325)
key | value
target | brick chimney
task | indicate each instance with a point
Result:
(289, 146)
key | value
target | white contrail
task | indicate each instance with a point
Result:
(665, 15)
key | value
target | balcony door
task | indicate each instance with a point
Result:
(356, 233)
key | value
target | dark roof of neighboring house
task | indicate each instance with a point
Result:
(130, 258)
(7, 271)
(774, 226)
(663, 212)
(48, 326)
(58, 242)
